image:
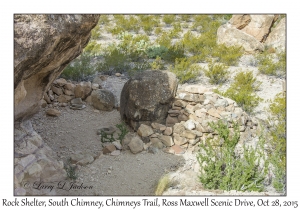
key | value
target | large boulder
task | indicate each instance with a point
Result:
(103, 99)
(231, 36)
(43, 47)
(259, 26)
(276, 38)
(146, 97)
(240, 21)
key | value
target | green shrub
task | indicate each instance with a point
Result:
(223, 169)
(93, 48)
(104, 19)
(114, 61)
(217, 73)
(169, 19)
(277, 131)
(271, 64)
(227, 55)
(71, 170)
(79, 69)
(163, 184)
(185, 18)
(158, 31)
(174, 51)
(95, 33)
(156, 51)
(164, 40)
(242, 90)
(185, 70)
(157, 64)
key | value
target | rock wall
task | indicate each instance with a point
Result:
(43, 46)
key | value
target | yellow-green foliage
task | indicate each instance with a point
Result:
(157, 64)
(185, 70)
(223, 169)
(272, 64)
(95, 33)
(227, 55)
(277, 109)
(148, 22)
(104, 20)
(162, 185)
(217, 73)
(158, 31)
(79, 69)
(169, 19)
(164, 40)
(186, 17)
(93, 48)
(242, 90)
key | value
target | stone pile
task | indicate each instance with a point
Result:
(188, 121)
(63, 93)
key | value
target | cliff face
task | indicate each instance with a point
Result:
(43, 46)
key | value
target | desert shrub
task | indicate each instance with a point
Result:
(157, 64)
(277, 131)
(164, 40)
(93, 48)
(162, 185)
(223, 169)
(175, 32)
(168, 19)
(71, 170)
(148, 22)
(158, 31)
(229, 55)
(114, 61)
(185, 17)
(174, 51)
(271, 64)
(104, 19)
(156, 51)
(185, 70)
(95, 33)
(242, 90)
(79, 69)
(217, 73)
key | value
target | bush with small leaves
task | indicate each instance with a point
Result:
(169, 19)
(272, 64)
(157, 64)
(79, 69)
(156, 51)
(185, 70)
(229, 55)
(242, 90)
(217, 73)
(223, 169)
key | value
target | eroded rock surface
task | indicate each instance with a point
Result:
(43, 47)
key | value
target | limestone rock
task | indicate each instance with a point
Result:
(170, 121)
(83, 90)
(43, 103)
(277, 37)
(176, 149)
(199, 89)
(127, 139)
(57, 90)
(259, 26)
(43, 47)
(168, 131)
(230, 36)
(240, 21)
(108, 149)
(46, 98)
(189, 125)
(136, 145)
(103, 99)
(61, 82)
(166, 140)
(145, 130)
(53, 112)
(147, 97)
(158, 126)
(178, 140)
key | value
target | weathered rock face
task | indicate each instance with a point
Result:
(230, 36)
(240, 21)
(43, 46)
(276, 38)
(103, 99)
(146, 98)
(259, 26)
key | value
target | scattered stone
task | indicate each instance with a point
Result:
(176, 149)
(88, 159)
(180, 103)
(53, 112)
(57, 90)
(118, 74)
(152, 149)
(77, 104)
(182, 117)
(155, 142)
(145, 130)
(136, 145)
(170, 121)
(178, 140)
(107, 130)
(108, 149)
(95, 86)
(103, 99)
(117, 145)
(196, 89)
(189, 125)
(115, 153)
(213, 112)
(43, 103)
(46, 98)
(166, 140)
